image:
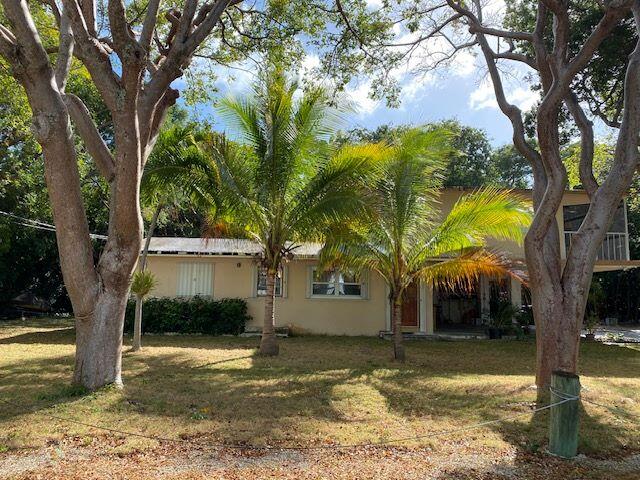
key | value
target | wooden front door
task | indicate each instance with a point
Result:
(410, 306)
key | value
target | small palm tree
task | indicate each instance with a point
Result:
(142, 285)
(284, 184)
(172, 175)
(405, 240)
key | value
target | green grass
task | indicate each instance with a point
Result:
(320, 390)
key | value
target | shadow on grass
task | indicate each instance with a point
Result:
(532, 460)
(238, 397)
(59, 336)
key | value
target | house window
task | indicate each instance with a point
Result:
(261, 282)
(336, 283)
(195, 278)
(575, 214)
(615, 244)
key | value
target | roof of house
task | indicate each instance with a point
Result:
(221, 246)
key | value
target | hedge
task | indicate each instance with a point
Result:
(193, 315)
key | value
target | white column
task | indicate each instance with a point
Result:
(426, 308)
(516, 293)
(429, 320)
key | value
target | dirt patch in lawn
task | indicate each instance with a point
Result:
(71, 462)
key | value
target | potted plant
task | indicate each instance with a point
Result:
(501, 320)
(524, 317)
(590, 324)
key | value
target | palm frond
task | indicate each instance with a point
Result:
(337, 191)
(143, 283)
(486, 213)
(464, 270)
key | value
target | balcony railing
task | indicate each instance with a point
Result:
(614, 246)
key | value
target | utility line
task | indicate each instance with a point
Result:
(26, 222)
(442, 433)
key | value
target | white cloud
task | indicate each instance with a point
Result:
(362, 102)
(484, 97)
(374, 4)
(310, 62)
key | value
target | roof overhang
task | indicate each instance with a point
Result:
(613, 265)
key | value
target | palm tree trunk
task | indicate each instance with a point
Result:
(137, 324)
(269, 342)
(147, 241)
(396, 314)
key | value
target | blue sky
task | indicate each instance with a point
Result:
(449, 98)
(462, 92)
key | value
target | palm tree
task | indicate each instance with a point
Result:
(284, 184)
(405, 241)
(142, 285)
(173, 174)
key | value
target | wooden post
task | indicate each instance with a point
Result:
(564, 418)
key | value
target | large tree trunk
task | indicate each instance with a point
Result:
(138, 103)
(557, 339)
(99, 342)
(269, 341)
(396, 319)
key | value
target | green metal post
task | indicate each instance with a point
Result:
(563, 427)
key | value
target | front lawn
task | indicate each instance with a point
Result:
(320, 391)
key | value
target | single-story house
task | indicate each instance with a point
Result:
(340, 303)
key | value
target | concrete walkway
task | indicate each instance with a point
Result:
(629, 334)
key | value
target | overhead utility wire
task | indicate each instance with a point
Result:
(26, 222)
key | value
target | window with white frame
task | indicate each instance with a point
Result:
(336, 283)
(261, 282)
(195, 278)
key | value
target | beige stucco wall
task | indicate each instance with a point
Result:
(234, 277)
(449, 196)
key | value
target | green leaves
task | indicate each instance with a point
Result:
(402, 239)
(289, 185)
(143, 283)
(179, 170)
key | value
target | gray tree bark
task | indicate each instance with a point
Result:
(396, 319)
(269, 342)
(560, 289)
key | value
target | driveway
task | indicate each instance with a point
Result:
(629, 334)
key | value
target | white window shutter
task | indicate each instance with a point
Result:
(195, 278)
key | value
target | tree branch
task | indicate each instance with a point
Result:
(478, 28)
(124, 42)
(26, 35)
(517, 57)
(588, 180)
(605, 26)
(7, 43)
(65, 52)
(179, 54)
(88, 8)
(94, 56)
(92, 139)
(149, 24)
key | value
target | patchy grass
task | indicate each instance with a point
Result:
(319, 391)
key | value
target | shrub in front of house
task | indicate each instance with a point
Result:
(190, 315)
